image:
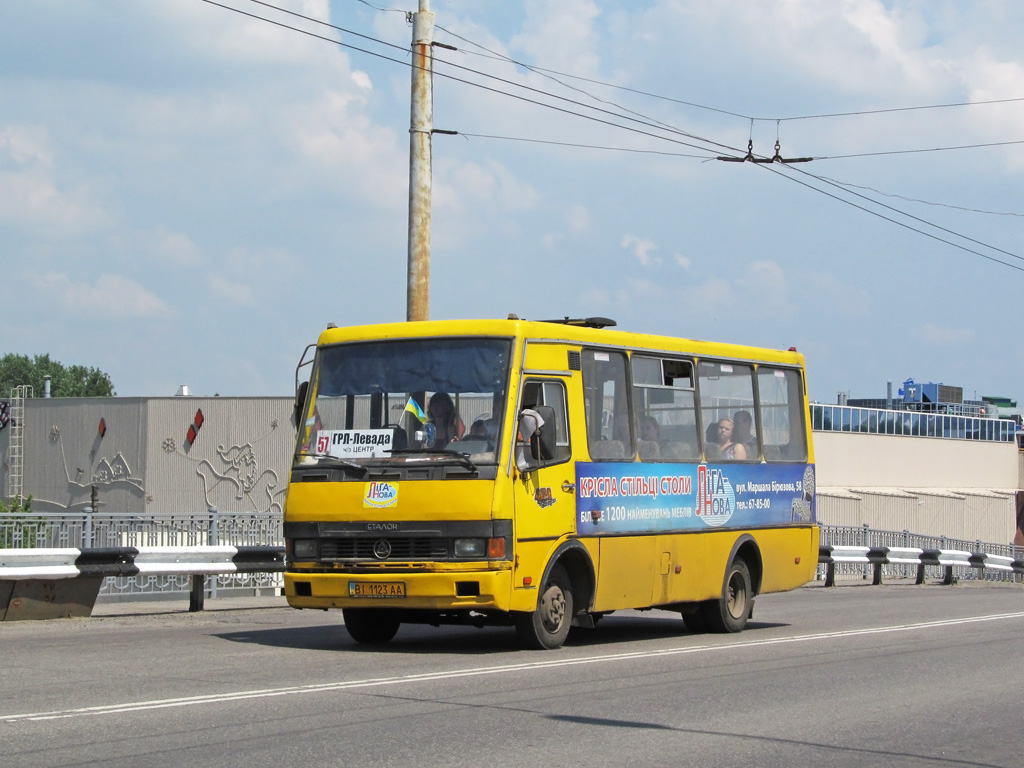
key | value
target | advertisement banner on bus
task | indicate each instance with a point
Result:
(633, 497)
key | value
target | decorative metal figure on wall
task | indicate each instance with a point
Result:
(242, 470)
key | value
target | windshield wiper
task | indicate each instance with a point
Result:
(348, 466)
(462, 458)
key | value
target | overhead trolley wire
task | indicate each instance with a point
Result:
(482, 86)
(662, 97)
(916, 151)
(901, 213)
(918, 200)
(653, 125)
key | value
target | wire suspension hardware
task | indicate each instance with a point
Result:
(776, 158)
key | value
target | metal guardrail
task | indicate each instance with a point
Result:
(846, 552)
(881, 421)
(947, 559)
(98, 530)
(895, 542)
(196, 562)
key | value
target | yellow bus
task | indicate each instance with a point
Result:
(543, 474)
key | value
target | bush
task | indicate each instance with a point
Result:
(18, 529)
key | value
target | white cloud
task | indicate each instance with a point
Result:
(642, 249)
(110, 296)
(682, 261)
(231, 291)
(466, 185)
(767, 291)
(579, 218)
(31, 201)
(843, 298)
(332, 132)
(174, 248)
(560, 33)
(25, 144)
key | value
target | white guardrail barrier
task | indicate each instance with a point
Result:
(88, 567)
(876, 557)
(58, 567)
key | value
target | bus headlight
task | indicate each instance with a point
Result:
(304, 549)
(471, 548)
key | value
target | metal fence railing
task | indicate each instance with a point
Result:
(93, 530)
(88, 530)
(865, 536)
(879, 421)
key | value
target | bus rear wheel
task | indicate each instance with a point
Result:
(547, 627)
(370, 627)
(731, 611)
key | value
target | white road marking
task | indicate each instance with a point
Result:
(347, 685)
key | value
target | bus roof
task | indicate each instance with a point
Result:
(585, 331)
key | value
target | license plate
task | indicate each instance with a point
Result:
(376, 589)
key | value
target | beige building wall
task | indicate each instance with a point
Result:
(961, 489)
(892, 461)
(970, 515)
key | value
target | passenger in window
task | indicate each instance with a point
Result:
(711, 434)
(730, 448)
(448, 426)
(743, 427)
(649, 432)
(650, 429)
(620, 430)
(486, 427)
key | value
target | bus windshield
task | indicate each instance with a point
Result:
(396, 401)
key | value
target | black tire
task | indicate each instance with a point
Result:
(370, 627)
(695, 621)
(547, 627)
(731, 611)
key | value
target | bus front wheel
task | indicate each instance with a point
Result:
(731, 611)
(547, 627)
(369, 626)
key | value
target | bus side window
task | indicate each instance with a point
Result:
(609, 433)
(780, 402)
(726, 391)
(663, 404)
(551, 394)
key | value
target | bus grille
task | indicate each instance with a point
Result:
(401, 549)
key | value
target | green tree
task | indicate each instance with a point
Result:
(65, 381)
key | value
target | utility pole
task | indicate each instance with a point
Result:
(421, 127)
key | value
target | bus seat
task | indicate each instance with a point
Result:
(772, 453)
(678, 451)
(712, 451)
(648, 449)
(607, 449)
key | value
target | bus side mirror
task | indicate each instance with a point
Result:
(537, 426)
(300, 401)
(542, 445)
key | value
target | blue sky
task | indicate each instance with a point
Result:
(188, 195)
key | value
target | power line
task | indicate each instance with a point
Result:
(580, 146)
(625, 127)
(545, 73)
(661, 97)
(482, 74)
(896, 109)
(903, 224)
(918, 200)
(915, 151)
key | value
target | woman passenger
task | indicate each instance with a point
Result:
(730, 449)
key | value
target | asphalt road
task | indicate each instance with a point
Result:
(853, 676)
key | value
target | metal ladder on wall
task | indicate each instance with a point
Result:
(16, 449)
